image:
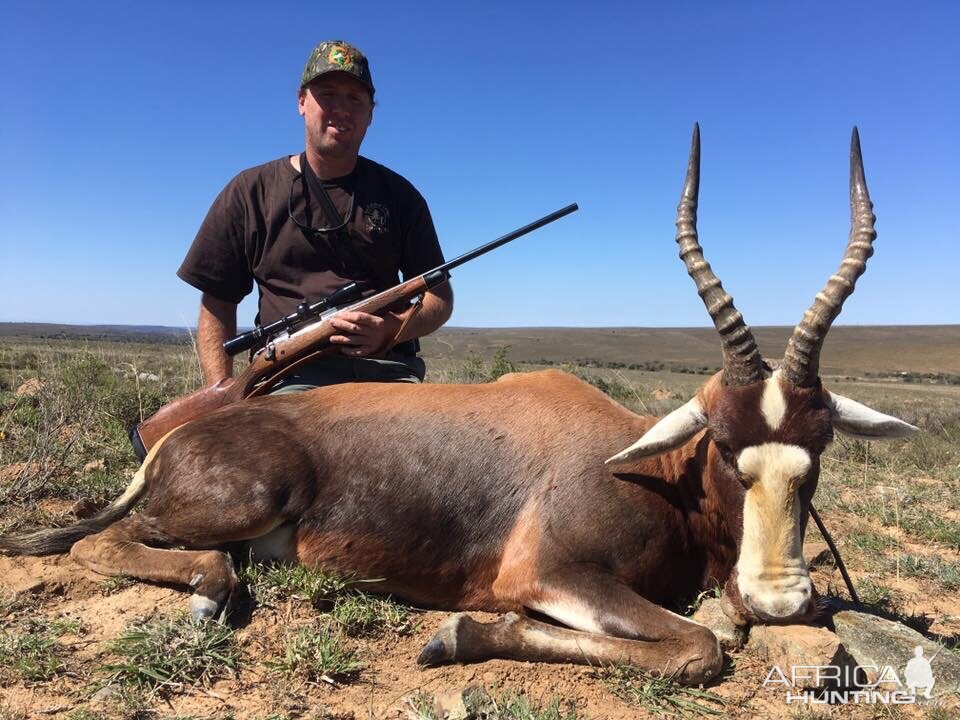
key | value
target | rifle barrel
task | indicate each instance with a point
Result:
(350, 293)
(494, 244)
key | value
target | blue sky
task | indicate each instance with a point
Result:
(120, 122)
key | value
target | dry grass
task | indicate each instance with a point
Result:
(895, 507)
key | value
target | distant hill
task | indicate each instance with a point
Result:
(849, 349)
(113, 333)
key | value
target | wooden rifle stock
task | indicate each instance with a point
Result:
(268, 366)
(284, 353)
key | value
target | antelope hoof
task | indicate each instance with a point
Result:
(706, 664)
(442, 648)
(732, 612)
(202, 608)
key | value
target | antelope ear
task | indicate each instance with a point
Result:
(669, 432)
(859, 421)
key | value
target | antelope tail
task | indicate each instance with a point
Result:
(60, 540)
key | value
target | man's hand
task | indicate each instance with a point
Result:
(362, 334)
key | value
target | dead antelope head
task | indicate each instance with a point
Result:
(767, 425)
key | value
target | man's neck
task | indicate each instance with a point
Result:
(326, 168)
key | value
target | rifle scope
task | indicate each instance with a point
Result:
(305, 311)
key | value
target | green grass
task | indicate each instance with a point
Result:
(316, 654)
(116, 583)
(31, 649)
(359, 614)
(90, 395)
(479, 704)
(806, 713)
(85, 714)
(932, 569)
(421, 707)
(172, 652)
(865, 541)
(6, 714)
(911, 508)
(936, 448)
(16, 518)
(11, 604)
(271, 583)
(877, 594)
(514, 706)
(616, 389)
(80, 413)
(354, 612)
(660, 695)
(941, 713)
(689, 607)
(925, 525)
(867, 549)
(474, 369)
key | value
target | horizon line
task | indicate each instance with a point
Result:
(193, 328)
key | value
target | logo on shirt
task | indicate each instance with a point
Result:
(377, 217)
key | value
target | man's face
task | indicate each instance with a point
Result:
(337, 110)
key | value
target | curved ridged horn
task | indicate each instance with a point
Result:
(801, 362)
(742, 364)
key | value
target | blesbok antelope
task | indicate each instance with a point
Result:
(517, 496)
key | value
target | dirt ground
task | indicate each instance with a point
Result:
(895, 514)
(56, 587)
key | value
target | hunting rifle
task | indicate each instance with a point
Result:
(294, 339)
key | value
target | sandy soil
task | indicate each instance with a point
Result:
(55, 586)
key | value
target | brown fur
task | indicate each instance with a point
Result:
(492, 497)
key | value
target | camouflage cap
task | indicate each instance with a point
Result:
(337, 56)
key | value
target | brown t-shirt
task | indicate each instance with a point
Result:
(248, 236)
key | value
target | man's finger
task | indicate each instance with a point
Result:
(361, 318)
(346, 326)
(343, 340)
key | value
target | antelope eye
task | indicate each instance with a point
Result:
(726, 452)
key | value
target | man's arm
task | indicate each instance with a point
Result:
(217, 324)
(363, 335)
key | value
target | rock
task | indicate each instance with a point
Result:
(95, 466)
(148, 376)
(711, 615)
(791, 646)
(107, 692)
(875, 643)
(450, 705)
(30, 388)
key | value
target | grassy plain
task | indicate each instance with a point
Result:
(76, 645)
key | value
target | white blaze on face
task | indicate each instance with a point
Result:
(773, 404)
(771, 573)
